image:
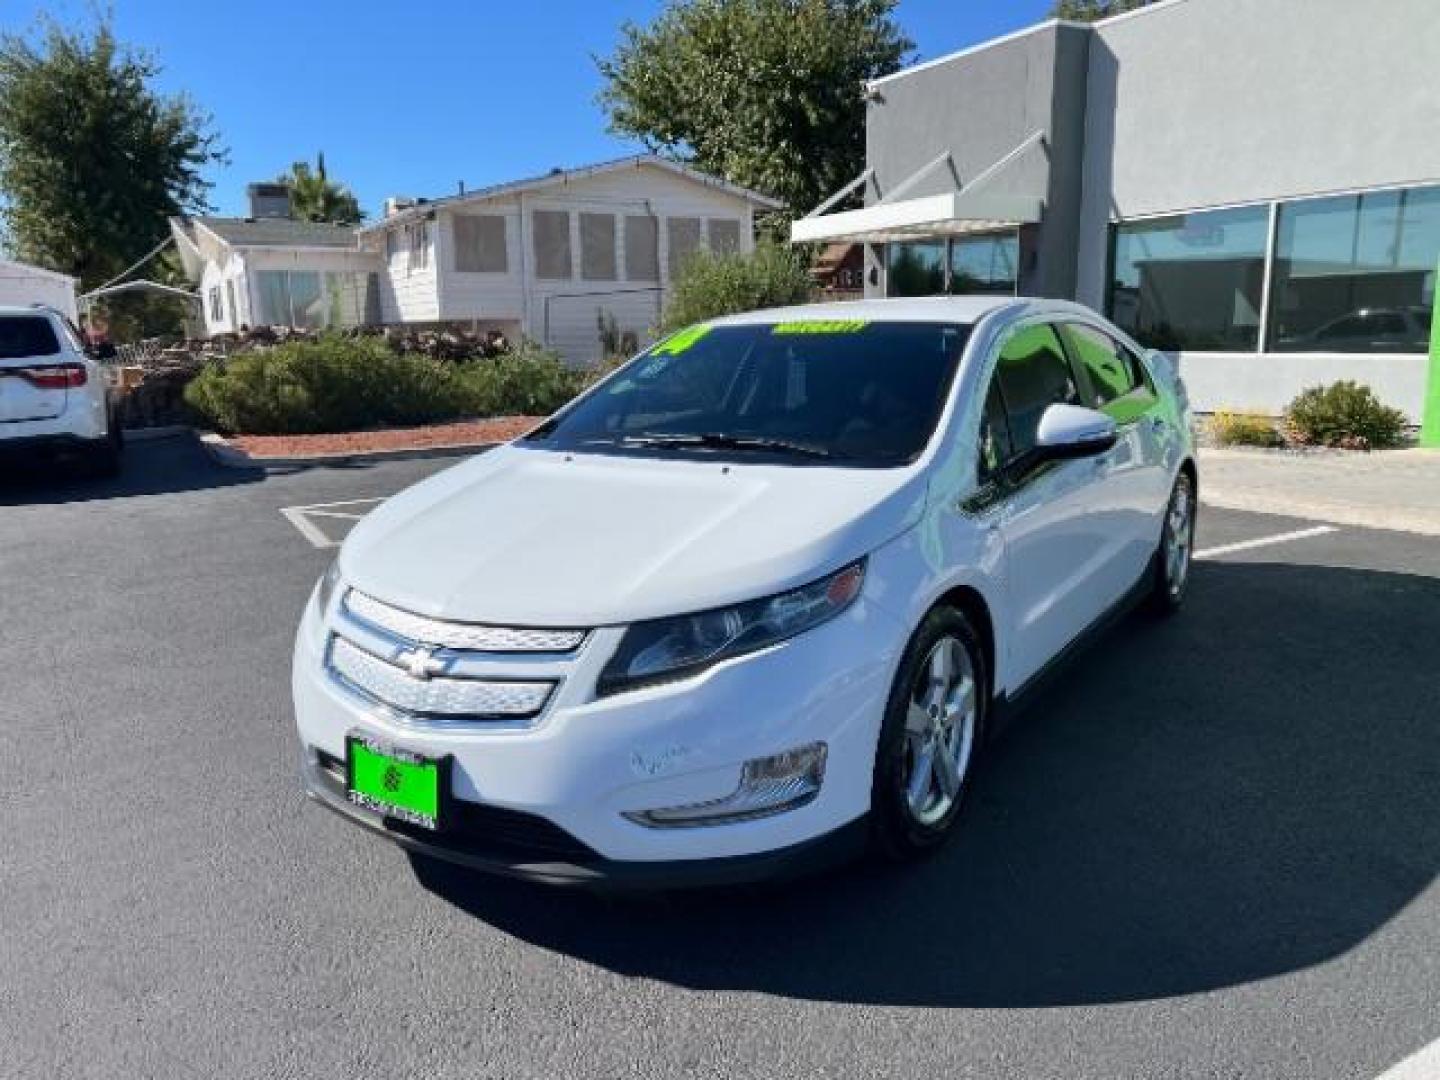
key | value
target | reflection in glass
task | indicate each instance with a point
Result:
(917, 269)
(1356, 273)
(984, 264)
(1192, 281)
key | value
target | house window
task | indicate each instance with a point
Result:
(597, 247)
(480, 244)
(916, 269)
(291, 298)
(552, 245)
(724, 235)
(417, 242)
(217, 310)
(985, 264)
(392, 245)
(684, 236)
(1192, 281)
(1356, 273)
(230, 299)
(642, 249)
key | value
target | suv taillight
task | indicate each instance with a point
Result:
(51, 376)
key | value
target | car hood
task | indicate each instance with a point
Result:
(529, 537)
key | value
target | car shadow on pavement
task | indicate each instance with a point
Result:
(151, 467)
(1245, 790)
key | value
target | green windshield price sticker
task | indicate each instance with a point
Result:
(822, 326)
(678, 342)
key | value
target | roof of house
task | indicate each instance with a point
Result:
(277, 232)
(565, 176)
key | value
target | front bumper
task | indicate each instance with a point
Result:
(549, 801)
(586, 869)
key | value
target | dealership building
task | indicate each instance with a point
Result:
(1253, 185)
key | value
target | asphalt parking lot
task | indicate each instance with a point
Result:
(1209, 849)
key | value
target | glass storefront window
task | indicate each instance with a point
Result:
(984, 264)
(1356, 273)
(917, 269)
(1192, 281)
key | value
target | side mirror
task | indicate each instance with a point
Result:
(1071, 431)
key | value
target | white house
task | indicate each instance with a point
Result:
(546, 258)
(22, 285)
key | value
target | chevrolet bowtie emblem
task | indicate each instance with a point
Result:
(420, 662)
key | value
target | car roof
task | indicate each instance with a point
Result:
(956, 309)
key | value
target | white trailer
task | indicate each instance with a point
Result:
(22, 285)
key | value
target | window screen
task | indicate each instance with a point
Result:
(724, 236)
(1034, 375)
(480, 244)
(684, 236)
(642, 252)
(23, 336)
(597, 247)
(552, 244)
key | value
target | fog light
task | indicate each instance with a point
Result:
(768, 786)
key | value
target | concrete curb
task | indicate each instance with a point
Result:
(1407, 521)
(232, 457)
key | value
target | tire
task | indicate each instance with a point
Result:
(103, 459)
(904, 824)
(1177, 547)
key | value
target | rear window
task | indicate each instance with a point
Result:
(24, 336)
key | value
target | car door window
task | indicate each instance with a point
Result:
(996, 447)
(1033, 374)
(1113, 377)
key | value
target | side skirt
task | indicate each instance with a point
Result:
(1006, 706)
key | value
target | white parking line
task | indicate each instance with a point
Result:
(302, 517)
(1266, 541)
(1424, 1065)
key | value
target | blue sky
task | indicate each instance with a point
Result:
(411, 98)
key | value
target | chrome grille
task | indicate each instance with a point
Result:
(435, 697)
(452, 635)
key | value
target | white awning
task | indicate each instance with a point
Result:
(1001, 196)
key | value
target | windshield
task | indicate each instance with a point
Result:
(840, 392)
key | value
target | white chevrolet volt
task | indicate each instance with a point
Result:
(754, 601)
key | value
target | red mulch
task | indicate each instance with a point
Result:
(461, 433)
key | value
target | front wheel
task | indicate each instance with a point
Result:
(930, 738)
(1177, 545)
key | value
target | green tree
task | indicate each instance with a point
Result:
(315, 197)
(93, 159)
(1091, 10)
(767, 93)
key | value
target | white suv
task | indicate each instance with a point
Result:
(54, 396)
(758, 597)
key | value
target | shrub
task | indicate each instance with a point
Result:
(1344, 414)
(338, 383)
(1231, 427)
(711, 285)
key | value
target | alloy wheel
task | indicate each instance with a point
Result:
(1179, 536)
(940, 724)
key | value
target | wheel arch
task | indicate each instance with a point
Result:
(971, 603)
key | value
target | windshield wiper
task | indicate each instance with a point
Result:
(719, 441)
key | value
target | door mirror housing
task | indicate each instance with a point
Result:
(1072, 431)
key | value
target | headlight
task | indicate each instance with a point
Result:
(675, 648)
(327, 587)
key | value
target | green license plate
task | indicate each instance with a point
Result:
(393, 782)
